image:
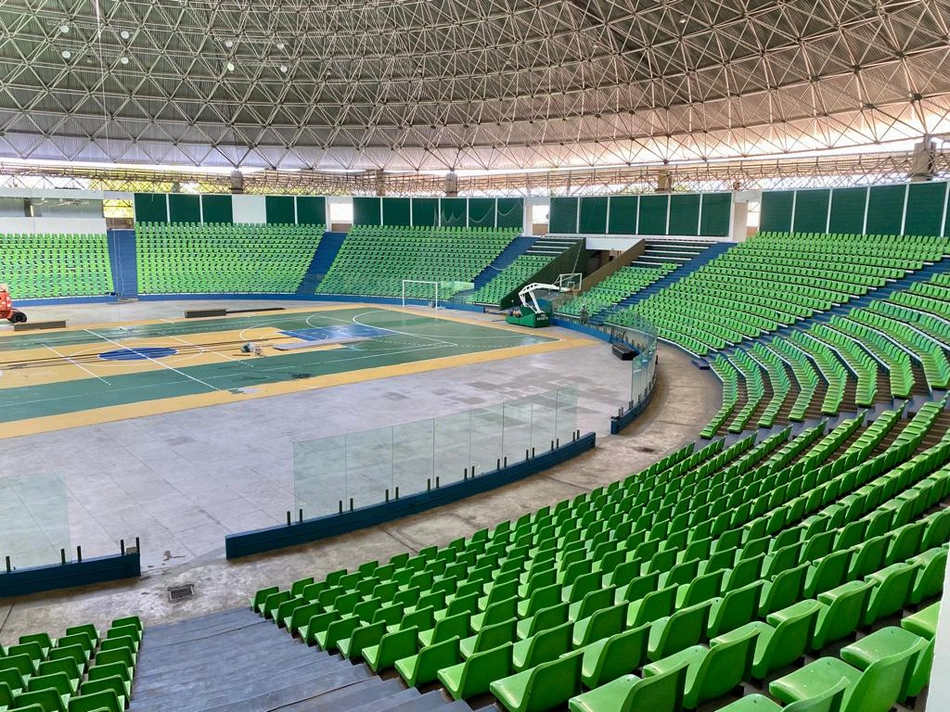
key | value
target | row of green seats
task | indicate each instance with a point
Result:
(79, 672)
(623, 283)
(375, 260)
(511, 278)
(774, 280)
(182, 258)
(693, 548)
(49, 266)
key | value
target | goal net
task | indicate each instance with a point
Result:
(428, 291)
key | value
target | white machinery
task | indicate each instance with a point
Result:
(530, 301)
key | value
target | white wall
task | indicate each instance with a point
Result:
(249, 208)
(62, 225)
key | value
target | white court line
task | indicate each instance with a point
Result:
(156, 361)
(356, 320)
(76, 364)
(211, 351)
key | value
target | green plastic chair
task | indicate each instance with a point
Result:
(660, 693)
(424, 666)
(713, 671)
(891, 593)
(602, 624)
(542, 620)
(352, 648)
(922, 623)
(784, 638)
(391, 647)
(876, 689)
(475, 675)
(679, 631)
(104, 701)
(543, 687)
(449, 627)
(489, 637)
(880, 644)
(841, 612)
(735, 609)
(610, 658)
(541, 647)
(828, 701)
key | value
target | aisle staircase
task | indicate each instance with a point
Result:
(690, 259)
(122, 256)
(235, 661)
(515, 248)
(326, 252)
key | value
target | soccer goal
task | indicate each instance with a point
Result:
(421, 289)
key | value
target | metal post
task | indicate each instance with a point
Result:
(79, 554)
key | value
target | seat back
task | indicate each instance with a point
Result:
(551, 684)
(726, 665)
(738, 607)
(879, 686)
(660, 693)
(657, 604)
(684, 628)
(829, 701)
(622, 653)
(604, 623)
(483, 668)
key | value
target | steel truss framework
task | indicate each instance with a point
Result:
(415, 85)
(824, 171)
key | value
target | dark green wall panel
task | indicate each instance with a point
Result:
(511, 212)
(279, 209)
(716, 219)
(366, 211)
(684, 214)
(311, 210)
(847, 210)
(563, 216)
(593, 219)
(453, 212)
(184, 208)
(151, 207)
(885, 209)
(425, 212)
(653, 212)
(811, 210)
(481, 212)
(217, 209)
(623, 214)
(925, 208)
(396, 211)
(776, 211)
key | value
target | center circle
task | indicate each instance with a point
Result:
(142, 354)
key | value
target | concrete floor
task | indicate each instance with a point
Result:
(182, 481)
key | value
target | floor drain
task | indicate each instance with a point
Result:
(181, 593)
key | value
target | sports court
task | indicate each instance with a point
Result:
(92, 374)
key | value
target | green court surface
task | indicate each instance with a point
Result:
(82, 370)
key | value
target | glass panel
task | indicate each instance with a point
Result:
(412, 457)
(34, 520)
(319, 476)
(517, 434)
(543, 422)
(369, 466)
(453, 454)
(566, 420)
(487, 427)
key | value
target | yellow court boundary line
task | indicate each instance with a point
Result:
(175, 320)
(110, 414)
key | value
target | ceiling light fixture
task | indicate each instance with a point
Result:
(283, 68)
(66, 54)
(229, 43)
(123, 60)
(64, 29)
(280, 45)
(230, 66)
(124, 34)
